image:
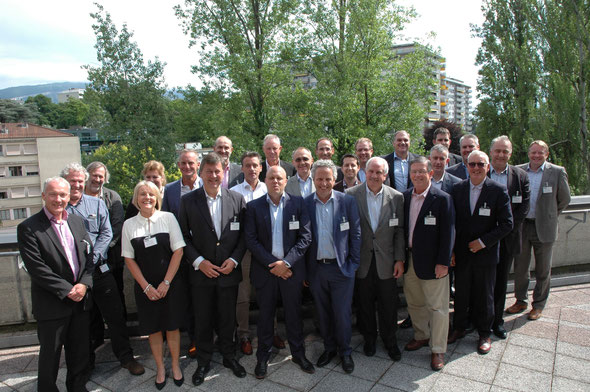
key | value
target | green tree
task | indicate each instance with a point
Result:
(74, 112)
(48, 111)
(12, 111)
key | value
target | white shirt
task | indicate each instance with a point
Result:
(250, 194)
(159, 222)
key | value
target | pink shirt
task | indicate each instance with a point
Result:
(415, 206)
(66, 238)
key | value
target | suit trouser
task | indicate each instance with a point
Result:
(267, 297)
(72, 333)
(543, 254)
(243, 302)
(106, 297)
(332, 293)
(474, 293)
(215, 310)
(384, 291)
(502, 271)
(428, 306)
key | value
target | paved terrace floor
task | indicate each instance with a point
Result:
(550, 354)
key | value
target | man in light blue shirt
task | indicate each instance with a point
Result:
(301, 184)
(399, 161)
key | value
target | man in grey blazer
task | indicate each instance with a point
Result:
(381, 210)
(232, 172)
(550, 195)
(301, 184)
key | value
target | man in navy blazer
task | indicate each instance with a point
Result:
(332, 261)
(518, 185)
(278, 235)
(399, 177)
(439, 157)
(483, 208)
(468, 143)
(188, 163)
(271, 146)
(430, 218)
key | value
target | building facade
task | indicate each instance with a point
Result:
(29, 154)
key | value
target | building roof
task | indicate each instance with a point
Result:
(28, 131)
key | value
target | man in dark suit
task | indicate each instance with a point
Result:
(272, 148)
(188, 163)
(332, 261)
(550, 195)
(442, 136)
(399, 161)
(430, 220)
(57, 253)
(232, 172)
(383, 251)
(483, 208)
(517, 183)
(211, 222)
(350, 170)
(278, 234)
(468, 143)
(439, 158)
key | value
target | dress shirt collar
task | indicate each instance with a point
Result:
(269, 200)
(316, 199)
(442, 178)
(401, 159)
(259, 185)
(52, 218)
(505, 171)
(155, 216)
(370, 192)
(541, 168)
(217, 196)
(301, 180)
(478, 187)
(421, 195)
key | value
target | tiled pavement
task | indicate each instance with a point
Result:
(552, 353)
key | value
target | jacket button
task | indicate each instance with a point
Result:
(217, 244)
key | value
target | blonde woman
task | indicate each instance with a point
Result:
(152, 245)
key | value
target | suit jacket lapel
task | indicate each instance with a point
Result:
(482, 196)
(384, 211)
(51, 233)
(363, 206)
(203, 208)
(426, 205)
(81, 249)
(225, 209)
(337, 216)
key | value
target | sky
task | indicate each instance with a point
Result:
(48, 41)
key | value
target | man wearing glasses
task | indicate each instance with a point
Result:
(301, 184)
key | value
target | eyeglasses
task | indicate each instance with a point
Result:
(304, 159)
(481, 165)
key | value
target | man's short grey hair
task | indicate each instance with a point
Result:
(502, 138)
(298, 149)
(186, 151)
(97, 165)
(324, 163)
(440, 148)
(479, 153)
(421, 160)
(73, 167)
(380, 161)
(469, 136)
(269, 137)
(60, 180)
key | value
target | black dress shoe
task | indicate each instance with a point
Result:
(369, 348)
(394, 353)
(235, 367)
(199, 375)
(325, 358)
(347, 364)
(260, 369)
(500, 332)
(304, 364)
(407, 323)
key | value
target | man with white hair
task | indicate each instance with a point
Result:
(271, 146)
(468, 143)
(482, 207)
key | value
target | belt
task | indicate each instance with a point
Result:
(326, 261)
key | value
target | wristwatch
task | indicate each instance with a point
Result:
(166, 282)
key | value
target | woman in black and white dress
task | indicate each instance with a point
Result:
(152, 245)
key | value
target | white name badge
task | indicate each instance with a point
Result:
(430, 221)
(393, 222)
(344, 226)
(547, 189)
(294, 225)
(484, 211)
(104, 268)
(234, 226)
(150, 241)
(516, 199)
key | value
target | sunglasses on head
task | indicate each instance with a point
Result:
(481, 165)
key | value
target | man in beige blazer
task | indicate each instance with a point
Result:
(381, 210)
(550, 195)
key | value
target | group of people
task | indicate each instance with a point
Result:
(198, 247)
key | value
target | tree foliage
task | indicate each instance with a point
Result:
(12, 111)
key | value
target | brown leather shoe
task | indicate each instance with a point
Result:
(192, 350)
(246, 346)
(278, 342)
(414, 344)
(135, 368)
(437, 361)
(535, 314)
(484, 345)
(518, 307)
(455, 335)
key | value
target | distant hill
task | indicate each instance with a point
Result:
(49, 89)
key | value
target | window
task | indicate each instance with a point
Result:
(15, 171)
(19, 213)
(12, 149)
(1, 150)
(4, 215)
(17, 193)
(2, 171)
(32, 170)
(3, 194)
(34, 191)
(30, 149)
